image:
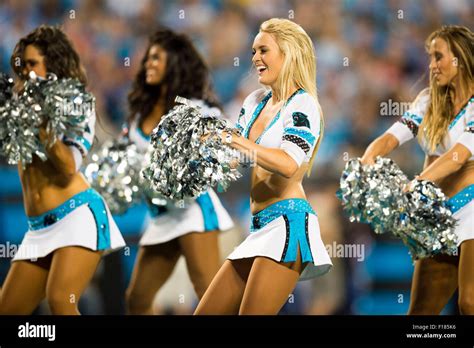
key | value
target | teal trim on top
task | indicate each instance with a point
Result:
(461, 113)
(277, 117)
(259, 109)
(255, 114)
(84, 143)
(302, 133)
(413, 117)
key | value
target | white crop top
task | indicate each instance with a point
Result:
(295, 129)
(460, 131)
(142, 140)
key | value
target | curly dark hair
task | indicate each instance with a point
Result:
(186, 75)
(59, 54)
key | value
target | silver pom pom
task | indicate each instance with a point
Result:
(427, 222)
(67, 107)
(63, 105)
(420, 218)
(384, 193)
(183, 165)
(6, 88)
(20, 120)
(352, 191)
(115, 173)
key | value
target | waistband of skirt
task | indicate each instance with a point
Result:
(54, 215)
(280, 208)
(461, 199)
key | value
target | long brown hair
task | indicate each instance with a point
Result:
(60, 57)
(186, 75)
(440, 111)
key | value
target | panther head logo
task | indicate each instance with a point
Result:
(242, 112)
(300, 120)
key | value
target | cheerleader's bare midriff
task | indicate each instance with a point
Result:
(268, 188)
(457, 181)
(44, 188)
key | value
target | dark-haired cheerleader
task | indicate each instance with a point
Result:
(173, 67)
(69, 223)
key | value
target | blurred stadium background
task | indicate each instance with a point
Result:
(370, 52)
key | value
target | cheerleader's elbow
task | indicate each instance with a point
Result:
(289, 168)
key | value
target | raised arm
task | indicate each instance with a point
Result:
(67, 154)
(59, 154)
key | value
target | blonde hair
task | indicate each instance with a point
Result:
(299, 65)
(440, 111)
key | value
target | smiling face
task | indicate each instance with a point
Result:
(33, 61)
(155, 65)
(443, 64)
(267, 58)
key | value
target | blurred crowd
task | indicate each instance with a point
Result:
(370, 53)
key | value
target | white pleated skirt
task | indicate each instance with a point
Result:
(84, 220)
(205, 214)
(279, 230)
